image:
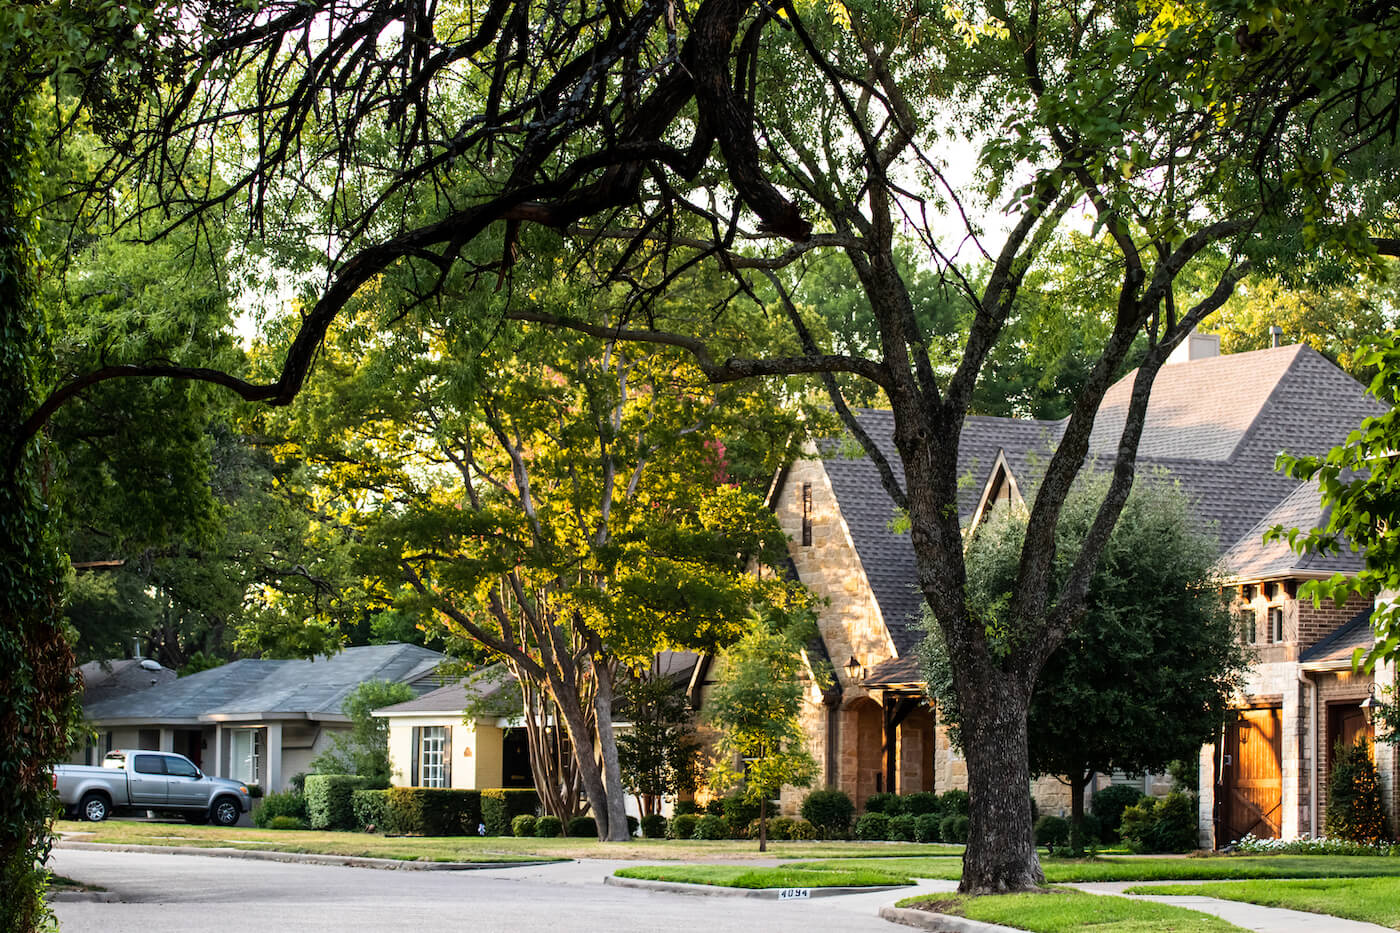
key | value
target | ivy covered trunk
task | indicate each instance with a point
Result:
(36, 660)
(1000, 854)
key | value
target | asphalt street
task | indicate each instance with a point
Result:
(178, 892)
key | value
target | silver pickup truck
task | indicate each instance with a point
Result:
(141, 780)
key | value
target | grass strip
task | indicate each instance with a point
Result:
(477, 848)
(1062, 911)
(1372, 900)
(1210, 868)
(740, 876)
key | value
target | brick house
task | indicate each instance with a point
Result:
(1215, 424)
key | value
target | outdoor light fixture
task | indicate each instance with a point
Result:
(855, 673)
(1370, 705)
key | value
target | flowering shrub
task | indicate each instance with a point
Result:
(1307, 845)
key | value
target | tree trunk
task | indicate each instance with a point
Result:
(581, 739)
(616, 800)
(1077, 784)
(1000, 854)
(763, 825)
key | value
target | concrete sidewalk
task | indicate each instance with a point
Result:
(1249, 916)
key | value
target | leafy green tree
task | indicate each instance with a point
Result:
(364, 750)
(1357, 482)
(1148, 674)
(755, 706)
(659, 753)
(1355, 810)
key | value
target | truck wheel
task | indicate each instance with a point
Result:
(94, 807)
(225, 811)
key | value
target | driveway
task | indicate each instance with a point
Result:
(213, 895)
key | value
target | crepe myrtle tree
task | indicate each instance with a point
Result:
(1198, 139)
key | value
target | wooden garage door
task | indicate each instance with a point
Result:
(1252, 775)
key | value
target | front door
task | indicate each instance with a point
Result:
(1251, 776)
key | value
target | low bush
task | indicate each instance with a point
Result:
(1087, 835)
(682, 826)
(1052, 832)
(926, 827)
(711, 826)
(955, 803)
(830, 811)
(548, 827)
(953, 829)
(888, 804)
(500, 805)
(1166, 825)
(1305, 845)
(779, 827)
(1108, 806)
(328, 803)
(285, 822)
(922, 802)
(432, 811)
(523, 826)
(714, 807)
(582, 827)
(289, 803)
(872, 826)
(654, 826)
(739, 813)
(901, 828)
(803, 831)
(372, 810)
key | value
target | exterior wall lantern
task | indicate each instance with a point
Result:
(855, 672)
(1370, 705)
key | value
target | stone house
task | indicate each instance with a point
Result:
(1215, 424)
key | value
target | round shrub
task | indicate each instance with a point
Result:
(901, 828)
(926, 827)
(803, 830)
(872, 826)
(779, 827)
(682, 826)
(547, 827)
(953, 829)
(285, 822)
(1166, 825)
(830, 811)
(582, 826)
(1108, 806)
(289, 803)
(523, 825)
(711, 826)
(955, 803)
(654, 826)
(1052, 832)
(921, 802)
(888, 804)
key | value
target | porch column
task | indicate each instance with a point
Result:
(167, 739)
(274, 756)
(218, 770)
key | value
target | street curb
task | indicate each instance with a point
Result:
(306, 858)
(74, 897)
(715, 890)
(941, 923)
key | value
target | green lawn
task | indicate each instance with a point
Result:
(1375, 900)
(1146, 869)
(1064, 911)
(740, 876)
(476, 848)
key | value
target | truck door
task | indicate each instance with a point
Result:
(147, 781)
(185, 788)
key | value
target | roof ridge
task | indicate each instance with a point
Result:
(1258, 419)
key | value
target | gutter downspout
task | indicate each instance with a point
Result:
(1307, 681)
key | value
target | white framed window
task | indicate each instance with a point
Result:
(245, 755)
(1275, 624)
(432, 767)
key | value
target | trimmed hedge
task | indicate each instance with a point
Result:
(285, 822)
(371, 810)
(328, 803)
(922, 802)
(886, 803)
(547, 827)
(500, 805)
(953, 829)
(902, 828)
(926, 827)
(583, 826)
(1052, 832)
(872, 826)
(289, 803)
(654, 826)
(523, 825)
(955, 803)
(432, 811)
(711, 826)
(682, 826)
(830, 811)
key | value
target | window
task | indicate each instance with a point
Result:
(806, 514)
(1275, 625)
(1249, 623)
(149, 764)
(245, 754)
(179, 767)
(432, 769)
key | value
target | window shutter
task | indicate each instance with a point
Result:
(417, 743)
(447, 756)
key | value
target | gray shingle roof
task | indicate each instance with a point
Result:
(476, 689)
(1215, 425)
(1342, 643)
(315, 688)
(1250, 558)
(103, 680)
